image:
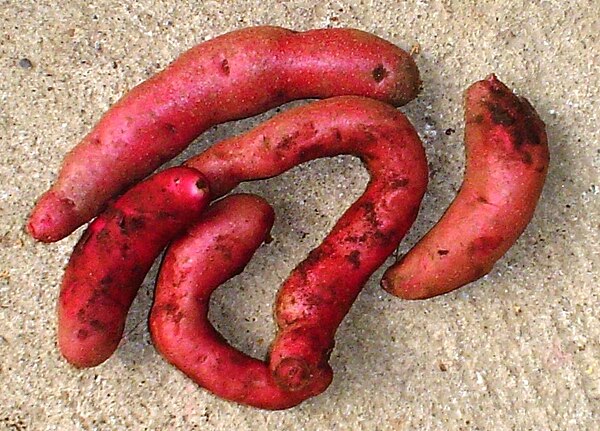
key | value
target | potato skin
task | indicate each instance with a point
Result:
(236, 75)
(111, 259)
(506, 165)
(213, 250)
(320, 291)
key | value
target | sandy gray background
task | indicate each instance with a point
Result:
(517, 350)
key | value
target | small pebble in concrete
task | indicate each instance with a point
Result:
(25, 63)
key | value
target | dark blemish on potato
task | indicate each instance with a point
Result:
(443, 252)
(314, 256)
(242, 362)
(97, 325)
(100, 298)
(312, 130)
(399, 183)
(280, 95)
(383, 238)
(534, 135)
(500, 115)
(531, 128)
(527, 105)
(533, 132)
(172, 312)
(225, 67)
(170, 128)
(540, 169)
(106, 280)
(223, 248)
(124, 249)
(201, 358)
(163, 215)
(266, 142)
(82, 334)
(368, 206)
(312, 152)
(311, 260)
(370, 213)
(485, 245)
(139, 270)
(526, 157)
(338, 135)
(169, 308)
(131, 224)
(369, 135)
(356, 239)
(379, 73)
(105, 235)
(287, 141)
(200, 185)
(354, 258)
(477, 119)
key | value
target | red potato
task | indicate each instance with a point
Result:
(320, 291)
(506, 165)
(111, 259)
(212, 251)
(233, 76)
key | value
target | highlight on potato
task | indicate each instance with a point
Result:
(361, 79)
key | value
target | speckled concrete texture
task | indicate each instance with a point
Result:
(518, 350)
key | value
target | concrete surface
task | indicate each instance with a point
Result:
(518, 350)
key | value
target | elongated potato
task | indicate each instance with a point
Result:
(212, 251)
(114, 254)
(507, 161)
(239, 74)
(320, 291)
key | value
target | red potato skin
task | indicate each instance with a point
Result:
(111, 259)
(320, 291)
(236, 75)
(506, 165)
(213, 250)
